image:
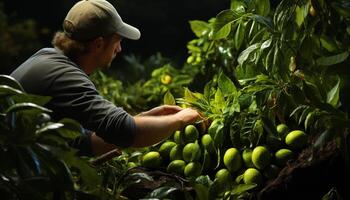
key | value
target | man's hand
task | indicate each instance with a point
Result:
(187, 116)
(162, 110)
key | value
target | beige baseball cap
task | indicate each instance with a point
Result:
(89, 19)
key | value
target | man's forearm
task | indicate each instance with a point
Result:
(153, 129)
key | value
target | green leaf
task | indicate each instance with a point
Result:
(238, 6)
(204, 180)
(202, 192)
(332, 60)
(71, 129)
(199, 27)
(333, 95)
(310, 118)
(219, 100)
(343, 8)
(226, 85)
(189, 96)
(36, 99)
(162, 192)
(328, 43)
(301, 13)
(223, 32)
(241, 188)
(324, 137)
(207, 90)
(10, 81)
(26, 106)
(223, 23)
(169, 99)
(262, 7)
(216, 132)
(268, 61)
(239, 35)
(266, 44)
(244, 55)
(49, 127)
(8, 91)
(263, 21)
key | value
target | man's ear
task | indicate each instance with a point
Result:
(97, 44)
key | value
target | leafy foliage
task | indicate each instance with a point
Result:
(36, 159)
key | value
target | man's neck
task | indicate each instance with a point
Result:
(87, 63)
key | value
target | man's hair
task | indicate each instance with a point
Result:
(72, 48)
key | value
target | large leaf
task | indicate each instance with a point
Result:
(301, 13)
(199, 27)
(343, 8)
(36, 99)
(244, 55)
(26, 106)
(202, 191)
(10, 81)
(240, 33)
(263, 21)
(238, 5)
(223, 23)
(333, 95)
(324, 137)
(169, 99)
(219, 101)
(226, 85)
(241, 188)
(262, 7)
(162, 192)
(332, 60)
(8, 91)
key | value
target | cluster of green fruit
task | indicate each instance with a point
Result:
(181, 154)
(261, 163)
(191, 154)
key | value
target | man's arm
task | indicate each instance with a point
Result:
(153, 129)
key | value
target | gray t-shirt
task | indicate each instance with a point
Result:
(50, 73)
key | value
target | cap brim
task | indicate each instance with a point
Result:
(128, 31)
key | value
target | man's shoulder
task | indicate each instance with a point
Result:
(47, 65)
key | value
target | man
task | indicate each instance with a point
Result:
(93, 31)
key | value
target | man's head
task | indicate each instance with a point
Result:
(89, 19)
(93, 31)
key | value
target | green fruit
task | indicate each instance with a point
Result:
(282, 130)
(191, 134)
(165, 149)
(191, 152)
(247, 158)
(178, 137)
(282, 156)
(223, 176)
(176, 166)
(208, 143)
(252, 176)
(151, 159)
(131, 165)
(261, 157)
(193, 169)
(232, 159)
(176, 153)
(271, 171)
(296, 139)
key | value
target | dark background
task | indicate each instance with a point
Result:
(164, 24)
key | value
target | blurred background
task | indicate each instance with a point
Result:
(26, 26)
